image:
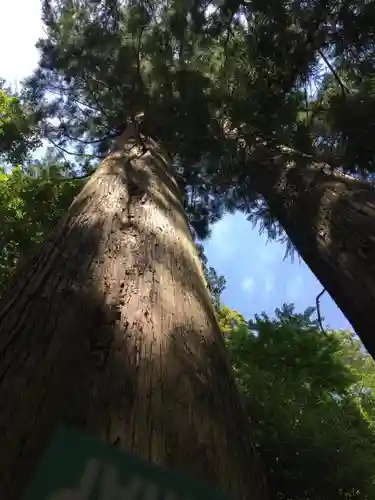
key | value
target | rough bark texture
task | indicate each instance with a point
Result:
(110, 329)
(330, 218)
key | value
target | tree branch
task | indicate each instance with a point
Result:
(318, 297)
(334, 73)
(93, 141)
(58, 146)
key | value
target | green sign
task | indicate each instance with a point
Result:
(78, 467)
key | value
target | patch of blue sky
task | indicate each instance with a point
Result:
(259, 278)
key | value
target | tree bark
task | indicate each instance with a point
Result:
(330, 219)
(110, 328)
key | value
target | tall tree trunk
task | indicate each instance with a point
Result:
(330, 218)
(111, 329)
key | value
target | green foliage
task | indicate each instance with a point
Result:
(216, 283)
(309, 400)
(32, 199)
(17, 128)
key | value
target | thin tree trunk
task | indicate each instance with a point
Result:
(330, 218)
(111, 329)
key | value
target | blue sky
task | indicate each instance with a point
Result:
(258, 279)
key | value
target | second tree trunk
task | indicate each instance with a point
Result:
(330, 219)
